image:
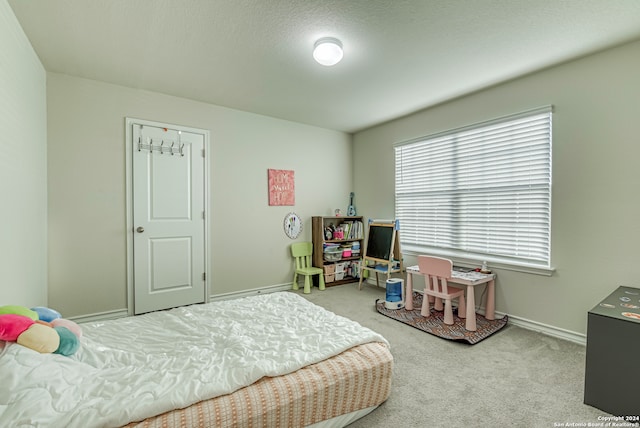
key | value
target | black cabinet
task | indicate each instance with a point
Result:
(613, 354)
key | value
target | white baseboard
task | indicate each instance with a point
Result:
(549, 330)
(100, 316)
(383, 280)
(252, 292)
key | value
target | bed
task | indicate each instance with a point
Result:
(271, 360)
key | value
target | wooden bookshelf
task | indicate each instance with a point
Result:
(319, 226)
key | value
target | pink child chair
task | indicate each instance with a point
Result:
(436, 272)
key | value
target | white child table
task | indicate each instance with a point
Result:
(470, 279)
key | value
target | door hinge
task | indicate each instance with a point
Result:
(203, 217)
(204, 276)
(203, 153)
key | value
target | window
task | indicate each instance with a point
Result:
(482, 192)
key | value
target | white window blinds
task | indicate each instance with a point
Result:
(479, 190)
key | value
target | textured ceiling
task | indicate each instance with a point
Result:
(255, 55)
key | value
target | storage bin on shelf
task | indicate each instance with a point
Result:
(329, 277)
(339, 276)
(346, 249)
(329, 269)
(333, 254)
(355, 249)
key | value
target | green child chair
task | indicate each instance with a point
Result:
(301, 252)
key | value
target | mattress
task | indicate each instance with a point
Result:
(355, 380)
(246, 359)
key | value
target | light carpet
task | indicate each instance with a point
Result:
(517, 378)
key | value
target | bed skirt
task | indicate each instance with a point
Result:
(356, 379)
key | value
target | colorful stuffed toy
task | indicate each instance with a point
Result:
(41, 329)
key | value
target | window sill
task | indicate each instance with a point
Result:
(460, 258)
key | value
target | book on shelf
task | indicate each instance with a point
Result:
(352, 229)
(346, 228)
(356, 230)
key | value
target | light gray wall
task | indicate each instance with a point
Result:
(87, 211)
(595, 229)
(596, 201)
(23, 168)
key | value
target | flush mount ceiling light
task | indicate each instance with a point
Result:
(327, 51)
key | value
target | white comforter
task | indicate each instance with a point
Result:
(132, 368)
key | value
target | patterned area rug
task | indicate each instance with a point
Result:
(435, 323)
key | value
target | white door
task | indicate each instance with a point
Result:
(167, 217)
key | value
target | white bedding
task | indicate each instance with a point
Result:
(133, 368)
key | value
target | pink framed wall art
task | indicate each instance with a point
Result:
(281, 187)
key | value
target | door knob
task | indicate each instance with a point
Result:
(140, 229)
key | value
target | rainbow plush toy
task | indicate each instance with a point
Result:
(41, 329)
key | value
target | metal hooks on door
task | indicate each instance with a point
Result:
(176, 148)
